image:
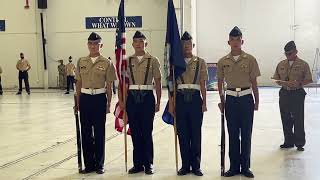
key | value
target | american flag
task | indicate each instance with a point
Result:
(173, 56)
(121, 64)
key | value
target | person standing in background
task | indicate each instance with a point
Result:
(114, 83)
(70, 70)
(62, 74)
(23, 66)
(292, 74)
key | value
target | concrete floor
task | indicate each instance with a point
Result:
(37, 135)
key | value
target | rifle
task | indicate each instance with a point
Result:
(76, 115)
(223, 141)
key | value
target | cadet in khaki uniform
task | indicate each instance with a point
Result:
(23, 67)
(62, 74)
(240, 71)
(191, 103)
(1, 92)
(114, 89)
(94, 76)
(70, 70)
(143, 70)
(292, 74)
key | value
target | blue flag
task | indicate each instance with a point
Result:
(174, 59)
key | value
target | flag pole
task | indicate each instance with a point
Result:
(175, 118)
(175, 90)
(181, 16)
(125, 120)
(121, 67)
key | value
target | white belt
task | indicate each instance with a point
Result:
(93, 91)
(189, 86)
(239, 93)
(140, 87)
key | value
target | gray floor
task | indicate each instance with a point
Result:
(37, 135)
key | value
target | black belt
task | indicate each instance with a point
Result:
(137, 90)
(234, 89)
(291, 89)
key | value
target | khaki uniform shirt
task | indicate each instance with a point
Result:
(70, 68)
(95, 75)
(22, 65)
(139, 69)
(191, 68)
(0, 70)
(299, 71)
(238, 74)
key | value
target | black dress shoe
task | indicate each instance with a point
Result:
(197, 172)
(286, 146)
(87, 171)
(100, 171)
(18, 93)
(148, 170)
(183, 172)
(66, 93)
(231, 173)
(299, 148)
(247, 173)
(135, 170)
